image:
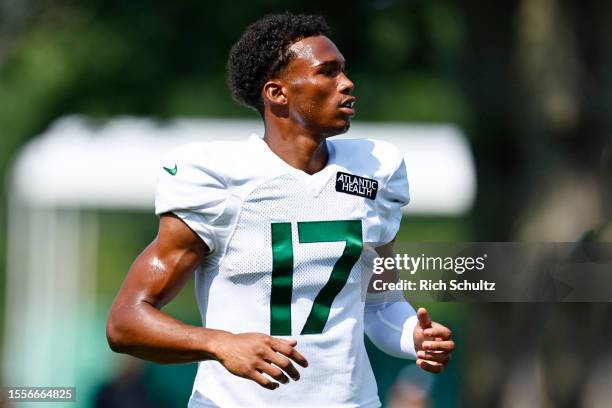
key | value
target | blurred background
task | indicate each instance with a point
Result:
(528, 82)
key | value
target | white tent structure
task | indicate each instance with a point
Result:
(78, 164)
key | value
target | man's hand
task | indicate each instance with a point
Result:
(432, 342)
(250, 355)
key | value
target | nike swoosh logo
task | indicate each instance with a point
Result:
(170, 171)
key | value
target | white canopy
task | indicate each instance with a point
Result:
(78, 164)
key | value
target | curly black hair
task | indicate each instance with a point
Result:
(263, 51)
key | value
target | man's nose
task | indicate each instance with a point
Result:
(346, 85)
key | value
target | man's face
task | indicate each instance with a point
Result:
(318, 90)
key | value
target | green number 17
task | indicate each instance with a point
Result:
(348, 231)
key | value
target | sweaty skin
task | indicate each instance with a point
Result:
(302, 107)
(137, 326)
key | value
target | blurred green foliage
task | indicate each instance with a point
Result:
(165, 60)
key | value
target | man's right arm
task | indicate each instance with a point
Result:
(137, 326)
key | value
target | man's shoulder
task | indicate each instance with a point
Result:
(220, 156)
(374, 156)
(202, 150)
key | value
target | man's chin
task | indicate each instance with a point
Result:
(343, 128)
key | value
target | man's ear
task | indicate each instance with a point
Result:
(274, 92)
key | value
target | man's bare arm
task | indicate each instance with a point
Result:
(137, 326)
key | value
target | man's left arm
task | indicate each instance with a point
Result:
(393, 326)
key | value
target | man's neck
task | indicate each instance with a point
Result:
(297, 148)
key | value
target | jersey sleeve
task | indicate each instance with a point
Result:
(392, 197)
(192, 186)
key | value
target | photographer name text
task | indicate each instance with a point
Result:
(434, 285)
(423, 263)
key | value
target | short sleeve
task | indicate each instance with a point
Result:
(193, 187)
(393, 196)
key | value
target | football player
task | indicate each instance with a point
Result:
(275, 231)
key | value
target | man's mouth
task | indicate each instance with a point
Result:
(348, 106)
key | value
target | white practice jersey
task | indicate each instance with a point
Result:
(285, 259)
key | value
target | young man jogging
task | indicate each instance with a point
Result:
(274, 230)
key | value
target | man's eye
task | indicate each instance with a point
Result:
(330, 71)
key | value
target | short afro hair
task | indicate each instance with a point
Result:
(263, 51)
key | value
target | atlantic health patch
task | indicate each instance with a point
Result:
(356, 185)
